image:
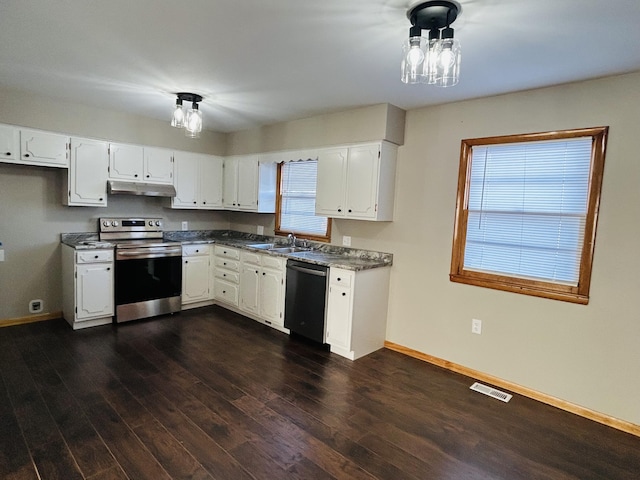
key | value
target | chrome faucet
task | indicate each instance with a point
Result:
(292, 239)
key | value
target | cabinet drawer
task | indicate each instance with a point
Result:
(343, 278)
(232, 277)
(195, 250)
(227, 264)
(94, 256)
(250, 257)
(269, 261)
(227, 252)
(226, 292)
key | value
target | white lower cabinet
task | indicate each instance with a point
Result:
(272, 290)
(262, 287)
(356, 317)
(195, 274)
(87, 287)
(226, 271)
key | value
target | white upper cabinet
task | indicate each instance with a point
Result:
(125, 162)
(9, 144)
(158, 165)
(87, 175)
(249, 184)
(136, 163)
(198, 181)
(357, 182)
(44, 148)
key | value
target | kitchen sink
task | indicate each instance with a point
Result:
(262, 246)
(273, 247)
(289, 249)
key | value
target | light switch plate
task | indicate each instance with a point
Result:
(185, 226)
(260, 230)
(1, 255)
(346, 241)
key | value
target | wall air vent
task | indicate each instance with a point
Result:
(491, 392)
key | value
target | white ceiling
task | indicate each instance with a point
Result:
(261, 62)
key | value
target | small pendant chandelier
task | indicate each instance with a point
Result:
(436, 60)
(191, 120)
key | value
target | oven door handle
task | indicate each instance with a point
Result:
(150, 252)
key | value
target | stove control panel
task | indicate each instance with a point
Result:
(130, 225)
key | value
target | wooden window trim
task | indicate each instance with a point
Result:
(575, 294)
(316, 238)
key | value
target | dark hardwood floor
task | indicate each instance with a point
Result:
(209, 394)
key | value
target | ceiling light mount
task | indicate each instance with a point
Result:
(191, 121)
(435, 60)
(434, 14)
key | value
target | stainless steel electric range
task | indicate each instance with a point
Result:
(148, 270)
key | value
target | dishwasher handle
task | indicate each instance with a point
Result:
(319, 273)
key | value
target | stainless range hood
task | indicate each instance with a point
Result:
(118, 187)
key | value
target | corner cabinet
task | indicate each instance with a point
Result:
(249, 184)
(87, 287)
(356, 318)
(198, 181)
(357, 182)
(86, 182)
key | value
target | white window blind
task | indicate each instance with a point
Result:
(527, 209)
(298, 202)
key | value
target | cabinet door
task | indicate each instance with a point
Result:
(9, 143)
(249, 288)
(88, 171)
(125, 162)
(211, 178)
(330, 185)
(94, 290)
(158, 165)
(272, 296)
(185, 180)
(362, 181)
(195, 279)
(339, 317)
(230, 190)
(247, 192)
(42, 148)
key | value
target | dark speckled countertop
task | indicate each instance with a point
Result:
(319, 253)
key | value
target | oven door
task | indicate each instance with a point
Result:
(148, 282)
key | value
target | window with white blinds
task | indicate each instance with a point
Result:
(528, 211)
(298, 200)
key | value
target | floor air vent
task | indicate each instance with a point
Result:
(492, 392)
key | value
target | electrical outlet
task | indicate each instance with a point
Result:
(185, 226)
(476, 326)
(36, 306)
(260, 230)
(346, 241)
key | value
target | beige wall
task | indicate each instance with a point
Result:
(588, 355)
(31, 212)
(35, 111)
(373, 123)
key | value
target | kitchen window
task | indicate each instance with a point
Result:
(296, 202)
(526, 212)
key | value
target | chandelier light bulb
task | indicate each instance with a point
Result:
(415, 56)
(177, 120)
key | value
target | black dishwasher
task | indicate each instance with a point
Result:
(306, 298)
